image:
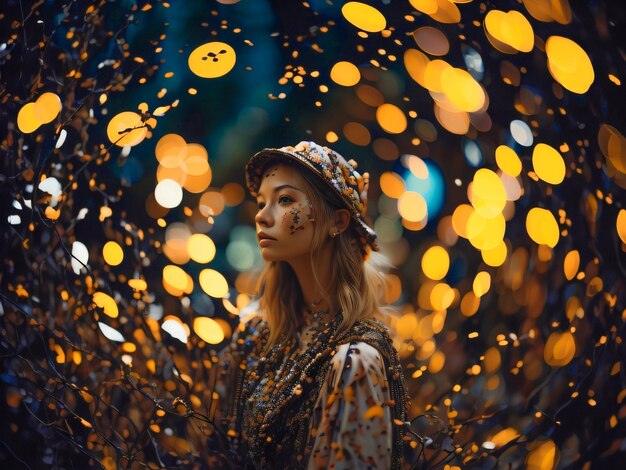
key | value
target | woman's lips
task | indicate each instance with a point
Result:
(265, 241)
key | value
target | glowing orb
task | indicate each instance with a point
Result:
(212, 60)
(461, 89)
(495, 256)
(412, 207)
(27, 119)
(345, 74)
(473, 155)
(213, 283)
(364, 17)
(391, 118)
(620, 225)
(80, 256)
(508, 161)
(106, 303)
(111, 333)
(47, 107)
(569, 64)
(560, 349)
(435, 262)
(208, 329)
(521, 133)
(432, 40)
(33, 115)
(481, 284)
(175, 328)
(126, 128)
(487, 194)
(510, 29)
(542, 227)
(113, 253)
(168, 193)
(548, 164)
(201, 248)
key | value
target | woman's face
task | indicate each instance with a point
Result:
(284, 221)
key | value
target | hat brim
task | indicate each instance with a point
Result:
(257, 165)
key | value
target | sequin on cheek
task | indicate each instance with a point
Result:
(295, 214)
(297, 217)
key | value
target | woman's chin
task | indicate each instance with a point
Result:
(267, 255)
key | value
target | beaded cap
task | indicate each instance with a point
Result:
(329, 166)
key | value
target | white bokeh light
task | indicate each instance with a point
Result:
(176, 329)
(521, 133)
(168, 193)
(80, 257)
(111, 333)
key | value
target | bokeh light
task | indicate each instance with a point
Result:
(508, 161)
(106, 303)
(542, 227)
(43, 111)
(176, 328)
(509, 32)
(548, 164)
(569, 64)
(201, 248)
(126, 129)
(80, 257)
(168, 193)
(487, 193)
(213, 283)
(345, 73)
(521, 133)
(391, 118)
(208, 329)
(113, 253)
(364, 17)
(212, 60)
(435, 263)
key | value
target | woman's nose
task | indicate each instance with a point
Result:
(263, 217)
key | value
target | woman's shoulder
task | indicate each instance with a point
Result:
(371, 331)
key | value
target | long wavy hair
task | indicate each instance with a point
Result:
(357, 282)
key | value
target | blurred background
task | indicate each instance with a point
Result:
(494, 136)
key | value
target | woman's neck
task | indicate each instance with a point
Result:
(314, 301)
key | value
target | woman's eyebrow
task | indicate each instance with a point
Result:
(285, 186)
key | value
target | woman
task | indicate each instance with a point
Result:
(313, 381)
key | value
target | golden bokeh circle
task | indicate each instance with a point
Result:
(47, 107)
(364, 17)
(126, 128)
(27, 120)
(212, 60)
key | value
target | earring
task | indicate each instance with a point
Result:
(334, 235)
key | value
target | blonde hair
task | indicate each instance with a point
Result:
(357, 284)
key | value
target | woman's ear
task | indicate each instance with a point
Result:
(342, 220)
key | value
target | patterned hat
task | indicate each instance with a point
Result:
(340, 175)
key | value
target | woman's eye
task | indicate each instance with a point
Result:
(261, 205)
(284, 200)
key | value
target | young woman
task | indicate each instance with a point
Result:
(313, 380)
